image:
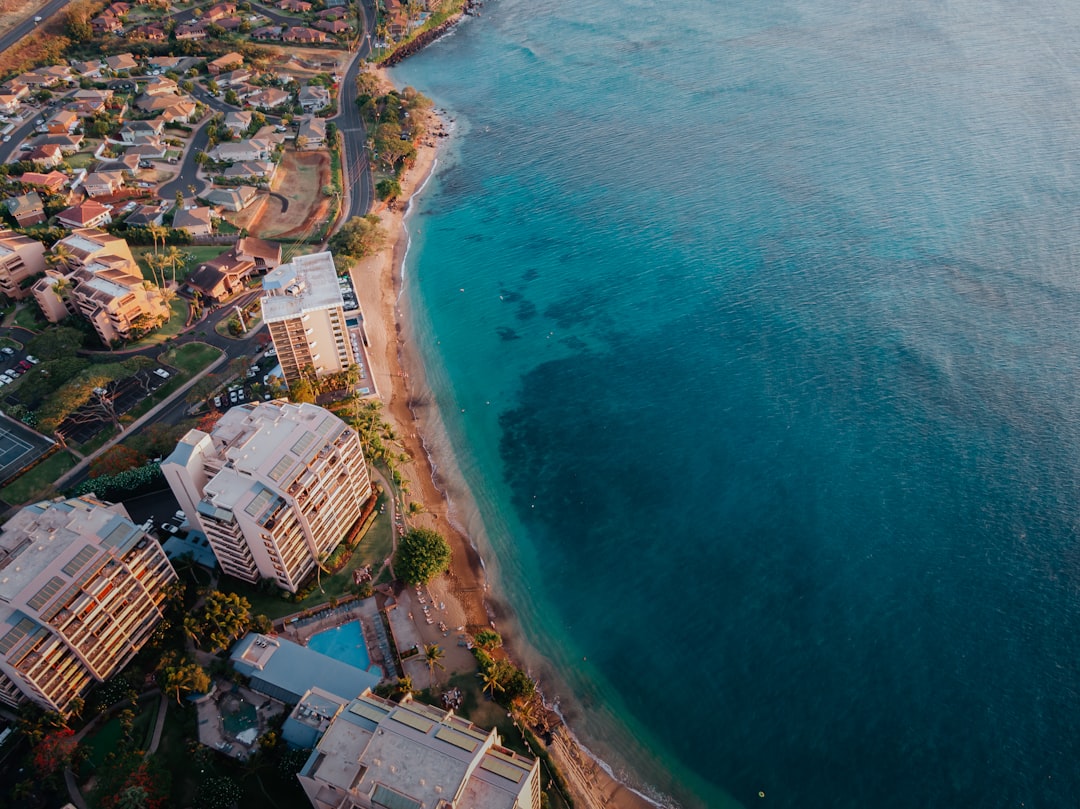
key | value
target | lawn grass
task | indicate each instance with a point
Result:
(200, 254)
(106, 739)
(373, 548)
(190, 358)
(29, 317)
(175, 324)
(81, 160)
(37, 484)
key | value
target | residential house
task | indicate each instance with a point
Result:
(233, 77)
(121, 62)
(27, 209)
(134, 129)
(63, 122)
(231, 199)
(177, 63)
(313, 131)
(268, 32)
(313, 97)
(48, 76)
(9, 104)
(103, 183)
(51, 183)
(220, 278)
(252, 170)
(105, 23)
(21, 258)
(235, 151)
(331, 14)
(87, 109)
(89, 214)
(230, 23)
(127, 163)
(150, 32)
(67, 144)
(149, 149)
(266, 255)
(104, 96)
(218, 11)
(295, 6)
(48, 156)
(304, 36)
(172, 109)
(145, 215)
(195, 221)
(17, 88)
(223, 64)
(238, 122)
(196, 29)
(89, 70)
(268, 98)
(118, 9)
(333, 26)
(158, 85)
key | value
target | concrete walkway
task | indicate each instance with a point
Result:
(146, 417)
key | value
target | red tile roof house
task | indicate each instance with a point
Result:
(90, 214)
(48, 156)
(296, 6)
(64, 122)
(103, 183)
(229, 61)
(333, 26)
(305, 35)
(220, 10)
(53, 182)
(105, 23)
(27, 209)
(270, 32)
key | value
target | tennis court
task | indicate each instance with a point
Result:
(19, 447)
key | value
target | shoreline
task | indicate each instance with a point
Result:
(399, 373)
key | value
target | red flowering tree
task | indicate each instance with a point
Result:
(55, 751)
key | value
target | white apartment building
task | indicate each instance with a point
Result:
(275, 486)
(304, 310)
(377, 753)
(81, 590)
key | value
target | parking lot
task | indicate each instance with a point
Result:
(90, 419)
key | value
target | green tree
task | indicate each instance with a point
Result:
(488, 639)
(186, 676)
(421, 555)
(433, 655)
(224, 617)
(357, 237)
(232, 98)
(57, 342)
(491, 681)
(388, 189)
(302, 390)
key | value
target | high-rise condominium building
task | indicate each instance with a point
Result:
(275, 486)
(303, 308)
(375, 753)
(81, 590)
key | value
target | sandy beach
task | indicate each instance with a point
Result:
(463, 592)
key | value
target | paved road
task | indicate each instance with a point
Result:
(24, 28)
(357, 180)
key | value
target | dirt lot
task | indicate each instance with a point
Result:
(13, 12)
(306, 62)
(300, 179)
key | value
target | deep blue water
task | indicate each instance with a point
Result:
(754, 327)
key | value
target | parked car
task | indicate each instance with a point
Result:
(271, 352)
(8, 351)
(26, 366)
(169, 527)
(162, 373)
(217, 401)
(30, 358)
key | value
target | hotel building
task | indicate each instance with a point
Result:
(303, 308)
(377, 753)
(81, 590)
(274, 486)
(21, 258)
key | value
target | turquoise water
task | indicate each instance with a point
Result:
(344, 643)
(753, 331)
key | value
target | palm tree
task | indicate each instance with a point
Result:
(433, 654)
(404, 686)
(491, 681)
(60, 257)
(174, 257)
(320, 560)
(157, 232)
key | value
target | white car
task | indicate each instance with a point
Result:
(4, 379)
(30, 358)
(162, 373)
(271, 352)
(8, 351)
(169, 527)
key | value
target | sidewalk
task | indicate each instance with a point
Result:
(146, 417)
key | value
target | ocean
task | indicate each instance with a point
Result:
(753, 328)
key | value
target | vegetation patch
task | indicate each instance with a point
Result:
(38, 483)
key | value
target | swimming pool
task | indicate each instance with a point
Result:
(344, 643)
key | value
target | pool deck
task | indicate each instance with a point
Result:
(300, 627)
(212, 731)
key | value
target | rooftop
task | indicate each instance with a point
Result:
(304, 284)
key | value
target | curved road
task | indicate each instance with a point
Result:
(357, 179)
